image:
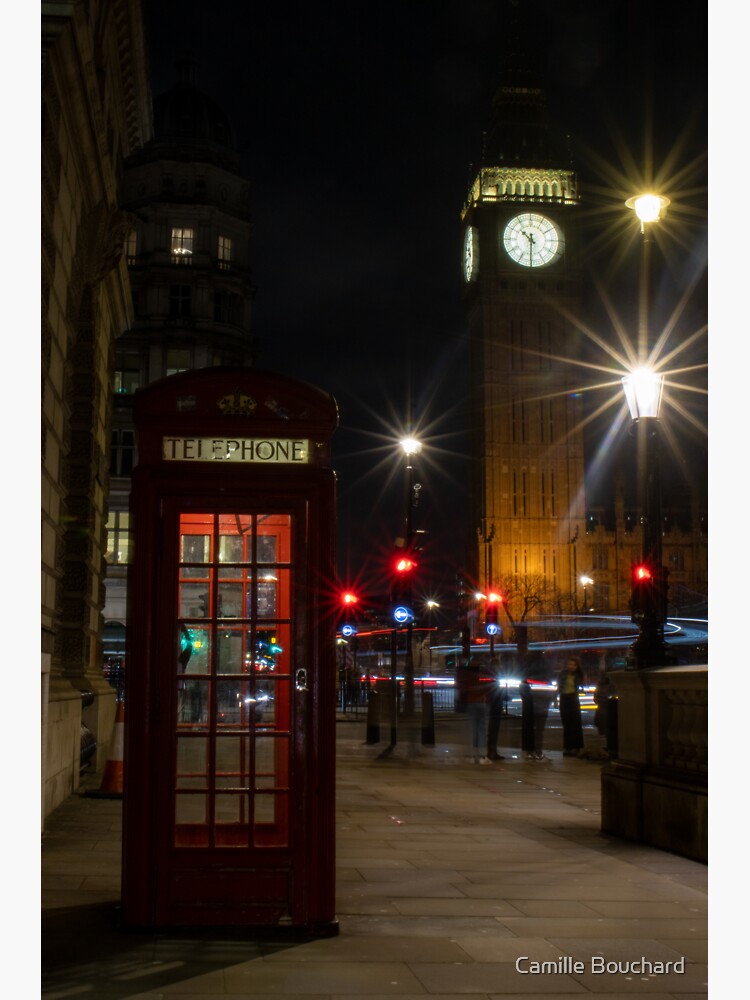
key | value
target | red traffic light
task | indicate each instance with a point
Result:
(642, 574)
(405, 565)
(348, 598)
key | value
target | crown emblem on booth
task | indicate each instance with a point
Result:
(237, 404)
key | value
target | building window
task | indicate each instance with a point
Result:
(182, 246)
(131, 244)
(122, 455)
(523, 494)
(118, 538)
(225, 253)
(544, 496)
(599, 557)
(178, 360)
(552, 494)
(179, 300)
(227, 308)
(127, 380)
(515, 494)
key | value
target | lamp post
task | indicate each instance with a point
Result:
(643, 389)
(410, 447)
(585, 582)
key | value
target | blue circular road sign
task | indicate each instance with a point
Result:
(403, 615)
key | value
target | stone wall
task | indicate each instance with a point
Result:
(656, 791)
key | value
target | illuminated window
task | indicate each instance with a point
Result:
(182, 246)
(127, 380)
(178, 361)
(118, 538)
(225, 253)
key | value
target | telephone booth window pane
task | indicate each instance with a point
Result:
(266, 548)
(271, 763)
(267, 600)
(231, 651)
(191, 820)
(233, 762)
(195, 549)
(231, 550)
(194, 650)
(230, 600)
(192, 762)
(194, 600)
(233, 680)
(192, 703)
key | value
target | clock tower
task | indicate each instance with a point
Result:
(520, 261)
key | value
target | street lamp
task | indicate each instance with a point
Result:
(585, 582)
(643, 389)
(410, 447)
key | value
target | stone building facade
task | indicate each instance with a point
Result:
(96, 111)
(188, 256)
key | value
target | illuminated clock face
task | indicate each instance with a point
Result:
(533, 240)
(471, 253)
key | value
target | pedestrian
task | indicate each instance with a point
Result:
(496, 704)
(569, 683)
(537, 694)
(473, 690)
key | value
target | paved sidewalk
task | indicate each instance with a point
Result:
(448, 873)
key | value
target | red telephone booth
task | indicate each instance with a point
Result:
(230, 697)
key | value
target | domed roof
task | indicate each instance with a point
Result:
(186, 115)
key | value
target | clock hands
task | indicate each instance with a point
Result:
(532, 241)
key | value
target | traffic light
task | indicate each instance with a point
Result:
(491, 613)
(405, 565)
(402, 586)
(644, 602)
(348, 618)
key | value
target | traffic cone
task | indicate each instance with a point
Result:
(111, 785)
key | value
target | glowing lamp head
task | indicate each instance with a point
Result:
(643, 391)
(586, 581)
(410, 446)
(648, 207)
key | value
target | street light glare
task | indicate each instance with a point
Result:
(643, 390)
(648, 207)
(411, 446)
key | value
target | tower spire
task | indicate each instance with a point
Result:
(519, 131)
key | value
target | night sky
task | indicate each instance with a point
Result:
(359, 124)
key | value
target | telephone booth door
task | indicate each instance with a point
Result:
(229, 759)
